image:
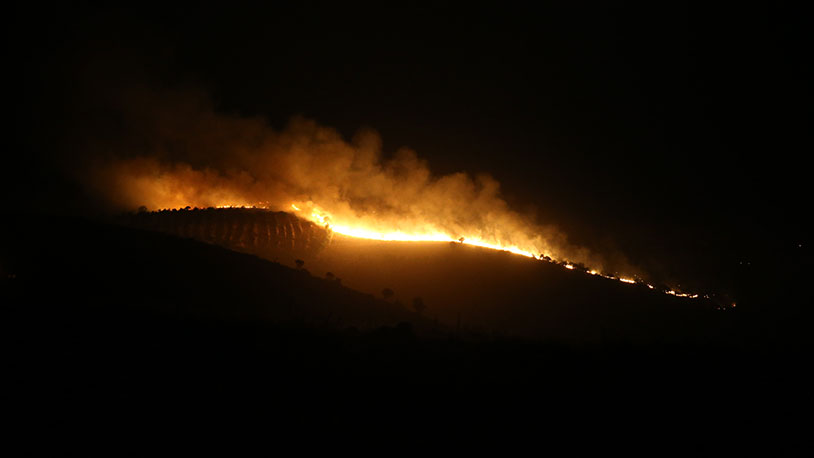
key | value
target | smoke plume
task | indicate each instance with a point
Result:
(172, 149)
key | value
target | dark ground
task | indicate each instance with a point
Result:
(129, 326)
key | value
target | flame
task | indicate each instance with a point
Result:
(211, 160)
(428, 233)
(323, 219)
(314, 213)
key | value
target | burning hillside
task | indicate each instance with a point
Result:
(479, 286)
(284, 237)
(172, 150)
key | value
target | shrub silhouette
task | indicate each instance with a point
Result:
(387, 293)
(300, 263)
(418, 305)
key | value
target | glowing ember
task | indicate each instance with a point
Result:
(236, 206)
(677, 294)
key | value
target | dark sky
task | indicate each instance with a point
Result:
(676, 133)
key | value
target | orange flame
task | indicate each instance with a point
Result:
(427, 234)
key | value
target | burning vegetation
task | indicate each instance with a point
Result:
(283, 236)
(172, 150)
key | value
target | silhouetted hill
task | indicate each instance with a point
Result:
(475, 288)
(492, 290)
(97, 317)
(60, 262)
(272, 235)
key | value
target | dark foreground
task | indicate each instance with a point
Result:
(129, 326)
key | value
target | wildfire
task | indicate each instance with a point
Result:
(322, 218)
(677, 294)
(314, 213)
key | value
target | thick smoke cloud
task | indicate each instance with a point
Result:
(172, 149)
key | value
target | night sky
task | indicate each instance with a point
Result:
(675, 134)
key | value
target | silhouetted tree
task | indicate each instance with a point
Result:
(330, 276)
(299, 263)
(418, 304)
(461, 240)
(387, 293)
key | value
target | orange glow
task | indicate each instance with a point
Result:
(428, 235)
(350, 188)
(373, 229)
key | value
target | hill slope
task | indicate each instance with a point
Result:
(96, 315)
(59, 262)
(461, 285)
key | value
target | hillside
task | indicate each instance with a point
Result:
(98, 316)
(461, 285)
(493, 290)
(59, 262)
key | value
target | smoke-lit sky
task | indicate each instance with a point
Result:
(672, 134)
